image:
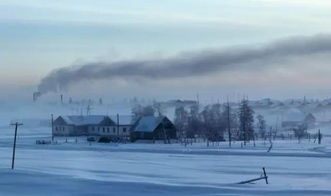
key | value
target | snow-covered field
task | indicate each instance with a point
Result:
(159, 169)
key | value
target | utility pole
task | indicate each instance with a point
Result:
(88, 110)
(198, 99)
(14, 147)
(118, 125)
(52, 122)
(319, 137)
(229, 123)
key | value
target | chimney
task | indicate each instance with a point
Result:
(36, 95)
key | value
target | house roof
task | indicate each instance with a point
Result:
(294, 114)
(147, 124)
(84, 120)
(123, 119)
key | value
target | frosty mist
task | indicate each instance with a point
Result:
(188, 64)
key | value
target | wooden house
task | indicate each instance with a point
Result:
(153, 128)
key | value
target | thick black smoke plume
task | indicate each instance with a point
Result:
(188, 64)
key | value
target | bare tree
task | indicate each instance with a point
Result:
(214, 123)
(261, 126)
(300, 131)
(194, 122)
(181, 121)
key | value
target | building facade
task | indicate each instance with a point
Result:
(92, 125)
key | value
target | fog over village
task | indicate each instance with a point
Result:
(182, 97)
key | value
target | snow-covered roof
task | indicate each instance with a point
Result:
(84, 120)
(123, 119)
(294, 115)
(147, 124)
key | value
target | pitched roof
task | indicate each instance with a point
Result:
(147, 124)
(294, 114)
(84, 120)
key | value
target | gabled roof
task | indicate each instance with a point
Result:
(85, 120)
(147, 123)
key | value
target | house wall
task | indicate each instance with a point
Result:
(124, 130)
(157, 134)
(106, 128)
(160, 131)
(63, 130)
(142, 136)
(92, 130)
(98, 130)
(80, 130)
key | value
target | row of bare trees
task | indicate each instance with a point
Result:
(216, 121)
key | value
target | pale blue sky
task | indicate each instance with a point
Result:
(37, 36)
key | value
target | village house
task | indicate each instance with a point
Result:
(309, 120)
(153, 128)
(92, 125)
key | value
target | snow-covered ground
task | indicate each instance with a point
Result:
(160, 169)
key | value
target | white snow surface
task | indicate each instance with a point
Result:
(160, 169)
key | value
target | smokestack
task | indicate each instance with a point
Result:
(61, 96)
(36, 95)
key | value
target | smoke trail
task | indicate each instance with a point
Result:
(188, 64)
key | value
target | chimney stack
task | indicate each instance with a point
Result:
(36, 95)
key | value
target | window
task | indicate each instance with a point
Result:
(108, 129)
(103, 129)
(92, 128)
(124, 130)
(99, 129)
(114, 130)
